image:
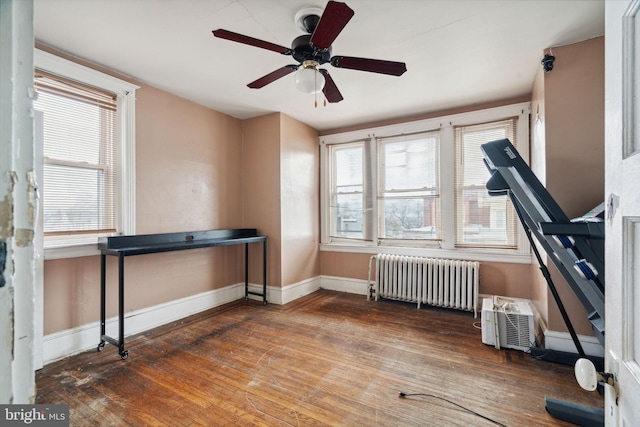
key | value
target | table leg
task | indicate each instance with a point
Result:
(123, 353)
(246, 271)
(103, 292)
(264, 271)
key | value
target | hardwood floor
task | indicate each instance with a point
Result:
(326, 359)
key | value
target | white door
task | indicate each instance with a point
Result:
(622, 191)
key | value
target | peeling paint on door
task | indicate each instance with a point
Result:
(6, 216)
(3, 262)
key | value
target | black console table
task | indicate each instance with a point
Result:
(123, 246)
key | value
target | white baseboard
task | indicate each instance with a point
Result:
(343, 284)
(561, 341)
(86, 337)
(300, 289)
(286, 294)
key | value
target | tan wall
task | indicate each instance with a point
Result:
(72, 285)
(496, 278)
(281, 186)
(574, 103)
(299, 201)
(572, 148)
(261, 189)
(538, 162)
(514, 280)
(188, 165)
(344, 264)
(188, 177)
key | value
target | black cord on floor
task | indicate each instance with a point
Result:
(403, 395)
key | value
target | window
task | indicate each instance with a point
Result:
(347, 191)
(408, 191)
(87, 147)
(79, 156)
(419, 188)
(482, 220)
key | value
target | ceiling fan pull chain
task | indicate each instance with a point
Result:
(315, 102)
(315, 84)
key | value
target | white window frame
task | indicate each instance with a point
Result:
(334, 193)
(446, 248)
(75, 246)
(387, 241)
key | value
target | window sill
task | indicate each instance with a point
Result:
(71, 249)
(486, 255)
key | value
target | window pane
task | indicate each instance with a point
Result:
(485, 218)
(411, 218)
(348, 167)
(475, 172)
(410, 164)
(348, 216)
(73, 140)
(73, 200)
(347, 210)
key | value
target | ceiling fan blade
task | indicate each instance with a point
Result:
(273, 76)
(228, 35)
(333, 20)
(372, 65)
(330, 89)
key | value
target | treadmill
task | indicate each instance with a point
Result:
(576, 247)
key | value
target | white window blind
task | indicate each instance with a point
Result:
(79, 183)
(409, 193)
(482, 220)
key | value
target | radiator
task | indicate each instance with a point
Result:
(432, 281)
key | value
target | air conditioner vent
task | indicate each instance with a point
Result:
(511, 323)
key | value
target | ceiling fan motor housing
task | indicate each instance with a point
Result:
(302, 50)
(310, 22)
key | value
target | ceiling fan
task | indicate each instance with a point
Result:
(314, 49)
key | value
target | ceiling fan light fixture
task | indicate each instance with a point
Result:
(309, 79)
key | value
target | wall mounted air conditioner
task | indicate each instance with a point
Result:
(511, 323)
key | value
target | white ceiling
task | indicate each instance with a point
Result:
(457, 52)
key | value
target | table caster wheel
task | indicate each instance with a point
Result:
(101, 346)
(124, 355)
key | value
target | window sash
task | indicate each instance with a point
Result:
(347, 206)
(482, 220)
(80, 164)
(408, 190)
